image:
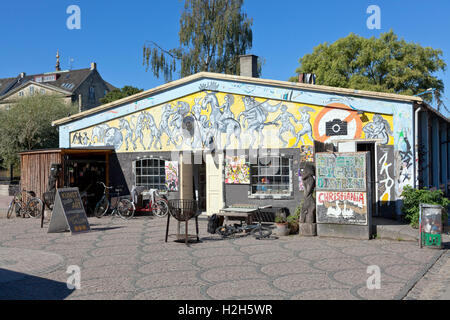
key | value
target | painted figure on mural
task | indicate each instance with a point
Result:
(140, 126)
(155, 137)
(286, 125)
(164, 124)
(305, 121)
(255, 114)
(125, 125)
(308, 213)
(219, 123)
(181, 112)
(379, 128)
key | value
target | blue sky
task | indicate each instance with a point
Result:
(113, 33)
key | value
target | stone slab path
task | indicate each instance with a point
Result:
(130, 260)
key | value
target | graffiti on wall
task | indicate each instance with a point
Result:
(386, 182)
(237, 170)
(342, 207)
(341, 171)
(211, 119)
(379, 128)
(341, 188)
(404, 166)
(171, 168)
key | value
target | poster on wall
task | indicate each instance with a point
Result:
(237, 170)
(172, 175)
(341, 191)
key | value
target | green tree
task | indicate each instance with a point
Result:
(213, 34)
(118, 94)
(384, 64)
(27, 125)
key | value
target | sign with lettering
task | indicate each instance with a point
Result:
(341, 171)
(68, 212)
(341, 188)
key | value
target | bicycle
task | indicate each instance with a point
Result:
(256, 229)
(157, 204)
(124, 207)
(25, 204)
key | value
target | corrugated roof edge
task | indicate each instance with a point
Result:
(219, 76)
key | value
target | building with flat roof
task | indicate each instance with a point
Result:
(227, 140)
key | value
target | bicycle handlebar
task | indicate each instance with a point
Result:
(104, 185)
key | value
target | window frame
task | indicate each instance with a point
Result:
(287, 195)
(161, 165)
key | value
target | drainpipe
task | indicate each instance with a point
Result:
(416, 138)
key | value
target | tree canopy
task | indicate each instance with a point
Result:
(213, 34)
(27, 125)
(384, 64)
(118, 94)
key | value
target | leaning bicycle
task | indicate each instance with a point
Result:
(257, 230)
(124, 208)
(25, 204)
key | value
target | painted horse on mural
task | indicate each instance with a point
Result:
(98, 133)
(222, 121)
(181, 111)
(255, 114)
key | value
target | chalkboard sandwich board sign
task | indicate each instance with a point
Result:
(68, 213)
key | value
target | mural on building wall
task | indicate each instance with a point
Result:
(172, 175)
(403, 153)
(386, 177)
(209, 119)
(237, 170)
(341, 194)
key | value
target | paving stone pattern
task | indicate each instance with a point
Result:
(130, 260)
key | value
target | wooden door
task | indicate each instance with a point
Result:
(214, 184)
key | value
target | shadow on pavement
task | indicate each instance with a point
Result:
(20, 286)
(104, 229)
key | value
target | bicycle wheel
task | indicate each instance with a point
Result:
(126, 209)
(226, 231)
(161, 209)
(101, 208)
(35, 207)
(13, 208)
(261, 232)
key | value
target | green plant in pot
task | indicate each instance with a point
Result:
(282, 225)
(293, 220)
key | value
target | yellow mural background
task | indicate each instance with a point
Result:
(270, 132)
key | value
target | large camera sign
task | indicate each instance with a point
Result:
(338, 122)
(341, 188)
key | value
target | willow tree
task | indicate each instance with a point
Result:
(213, 34)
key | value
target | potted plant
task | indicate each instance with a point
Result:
(293, 220)
(282, 225)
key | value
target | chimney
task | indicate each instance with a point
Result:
(93, 66)
(249, 66)
(22, 75)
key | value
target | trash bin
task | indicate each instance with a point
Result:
(430, 226)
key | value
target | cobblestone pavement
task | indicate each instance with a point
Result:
(130, 260)
(435, 285)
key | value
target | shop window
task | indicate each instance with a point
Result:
(151, 174)
(271, 176)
